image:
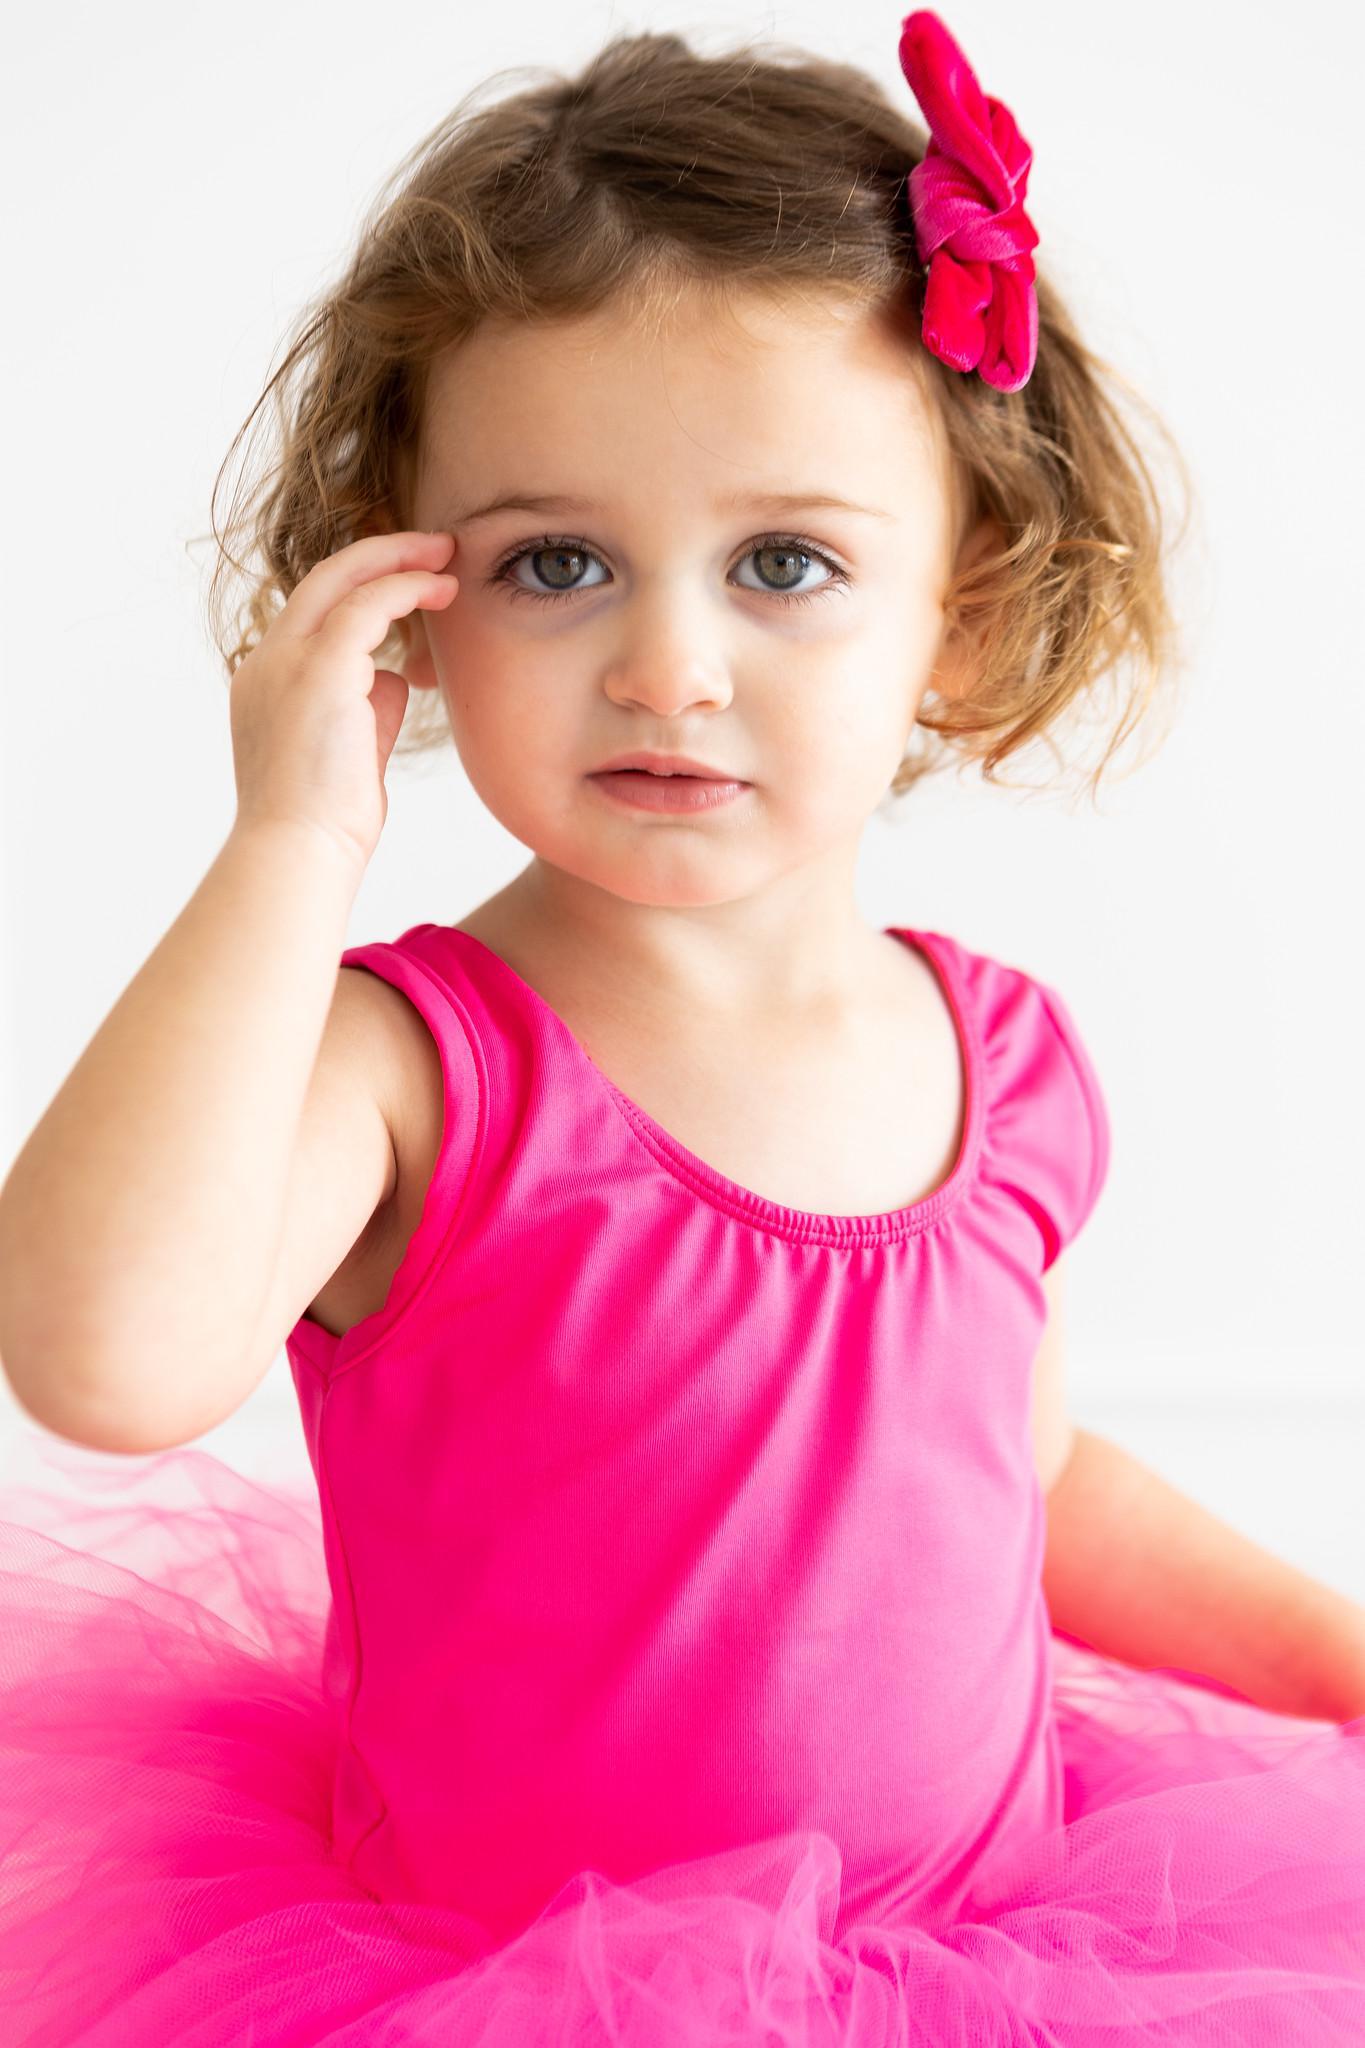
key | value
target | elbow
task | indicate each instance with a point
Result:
(92, 1420)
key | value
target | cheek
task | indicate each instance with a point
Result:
(846, 740)
(499, 692)
(854, 706)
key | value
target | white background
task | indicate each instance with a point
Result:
(181, 180)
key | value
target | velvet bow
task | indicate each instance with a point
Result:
(967, 197)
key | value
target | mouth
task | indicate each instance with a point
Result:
(666, 774)
(667, 790)
(670, 766)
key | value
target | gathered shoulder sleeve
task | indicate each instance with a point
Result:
(1089, 1159)
(416, 964)
(1048, 1121)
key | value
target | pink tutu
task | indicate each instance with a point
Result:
(660, 1656)
(167, 1876)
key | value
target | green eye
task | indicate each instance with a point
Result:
(559, 544)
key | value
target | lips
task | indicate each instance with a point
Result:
(642, 790)
(666, 765)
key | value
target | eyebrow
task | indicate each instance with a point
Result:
(734, 501)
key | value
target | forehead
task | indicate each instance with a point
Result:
(716, 393)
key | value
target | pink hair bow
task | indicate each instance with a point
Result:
(967, 196)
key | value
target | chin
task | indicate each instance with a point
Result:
(676, 878)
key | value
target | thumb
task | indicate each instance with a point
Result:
(390, 700)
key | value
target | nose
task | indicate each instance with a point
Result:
(667, 657)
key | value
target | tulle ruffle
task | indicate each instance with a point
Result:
(166, 1876)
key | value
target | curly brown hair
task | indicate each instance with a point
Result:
(654, 170)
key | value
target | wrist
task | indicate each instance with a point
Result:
(299, 839)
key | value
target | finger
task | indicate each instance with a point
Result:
(329, 581)
(365, 615)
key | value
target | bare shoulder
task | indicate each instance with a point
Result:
(406, 1065)
(403, 1065)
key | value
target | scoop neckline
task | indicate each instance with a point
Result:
(806, 1225)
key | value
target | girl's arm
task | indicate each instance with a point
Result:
(1140, 1572)
(187, 1161)
(141, 1224)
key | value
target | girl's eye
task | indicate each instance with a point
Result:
(787, 554)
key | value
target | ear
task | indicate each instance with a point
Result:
(959, 659)
(414, 662)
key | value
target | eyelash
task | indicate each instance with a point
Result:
(794, 541)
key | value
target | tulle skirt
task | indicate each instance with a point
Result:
(166, 1878)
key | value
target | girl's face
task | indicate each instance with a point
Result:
(659, 595)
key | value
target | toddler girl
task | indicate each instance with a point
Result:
(669, 1266)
